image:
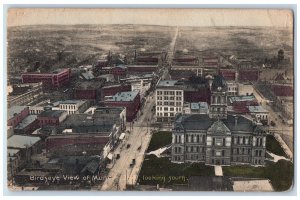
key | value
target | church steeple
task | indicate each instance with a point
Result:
(218, 102)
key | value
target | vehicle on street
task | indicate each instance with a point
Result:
(273, 123)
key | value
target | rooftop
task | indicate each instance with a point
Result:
(142, 66)
(203, 122)
(256, 109)
(15, 110)
(167, 83)
(28, 120)
(88, 75)
(89, 84)
(12, 152)
(52, 113)
(77, 102)
(124, 96)
(243, 98)
(199, 105)
(21, 141)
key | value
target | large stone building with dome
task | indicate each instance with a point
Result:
(218, 138)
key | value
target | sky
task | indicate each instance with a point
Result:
(168, 17)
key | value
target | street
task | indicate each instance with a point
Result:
(138, 139)
(285, 131)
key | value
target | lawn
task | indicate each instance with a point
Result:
(162, 171)
(160, 139)
(274, 147)
(280, 174)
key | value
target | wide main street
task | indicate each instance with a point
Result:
(132, 147)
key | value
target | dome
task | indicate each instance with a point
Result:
(219, 83)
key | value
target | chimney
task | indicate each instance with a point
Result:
(235, 120)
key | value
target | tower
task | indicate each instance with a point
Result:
(218, 100)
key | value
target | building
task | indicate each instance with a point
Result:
(131, 100)
(88, 75)
(24, 94)
(117, 115)
(16, 114)
(97, 116)
(73, 106)
(195, 108)
(232, 88)
(141, 68)
(27, 125)
(181, 74)
(169, 100)
(141, 87)
(112, 89)
(239, 104)
(218, 105)
(103, 61)
(185, 60)
(248, 75)
(259, 113)
(52, 117)
(20, 148)
(90, 133)
(88, 90)
(282, 90)
(210, 61)
(218, 138)
(229, 75)
(119, 71)
(196, 90)
(56, 79)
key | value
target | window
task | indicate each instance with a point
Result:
(223, 152)
(165, 108)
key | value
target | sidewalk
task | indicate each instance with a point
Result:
(218, 170)
(284, 146)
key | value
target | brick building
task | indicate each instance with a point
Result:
(57, 78)
(51, 117)
(130, 100)
(185, 60)
(110, 90)
(88, 90)
(119, 71)
(28, 125)
(16, 114)
(141, 68)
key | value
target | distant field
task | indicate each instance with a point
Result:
(82, 44)
(247, 42)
